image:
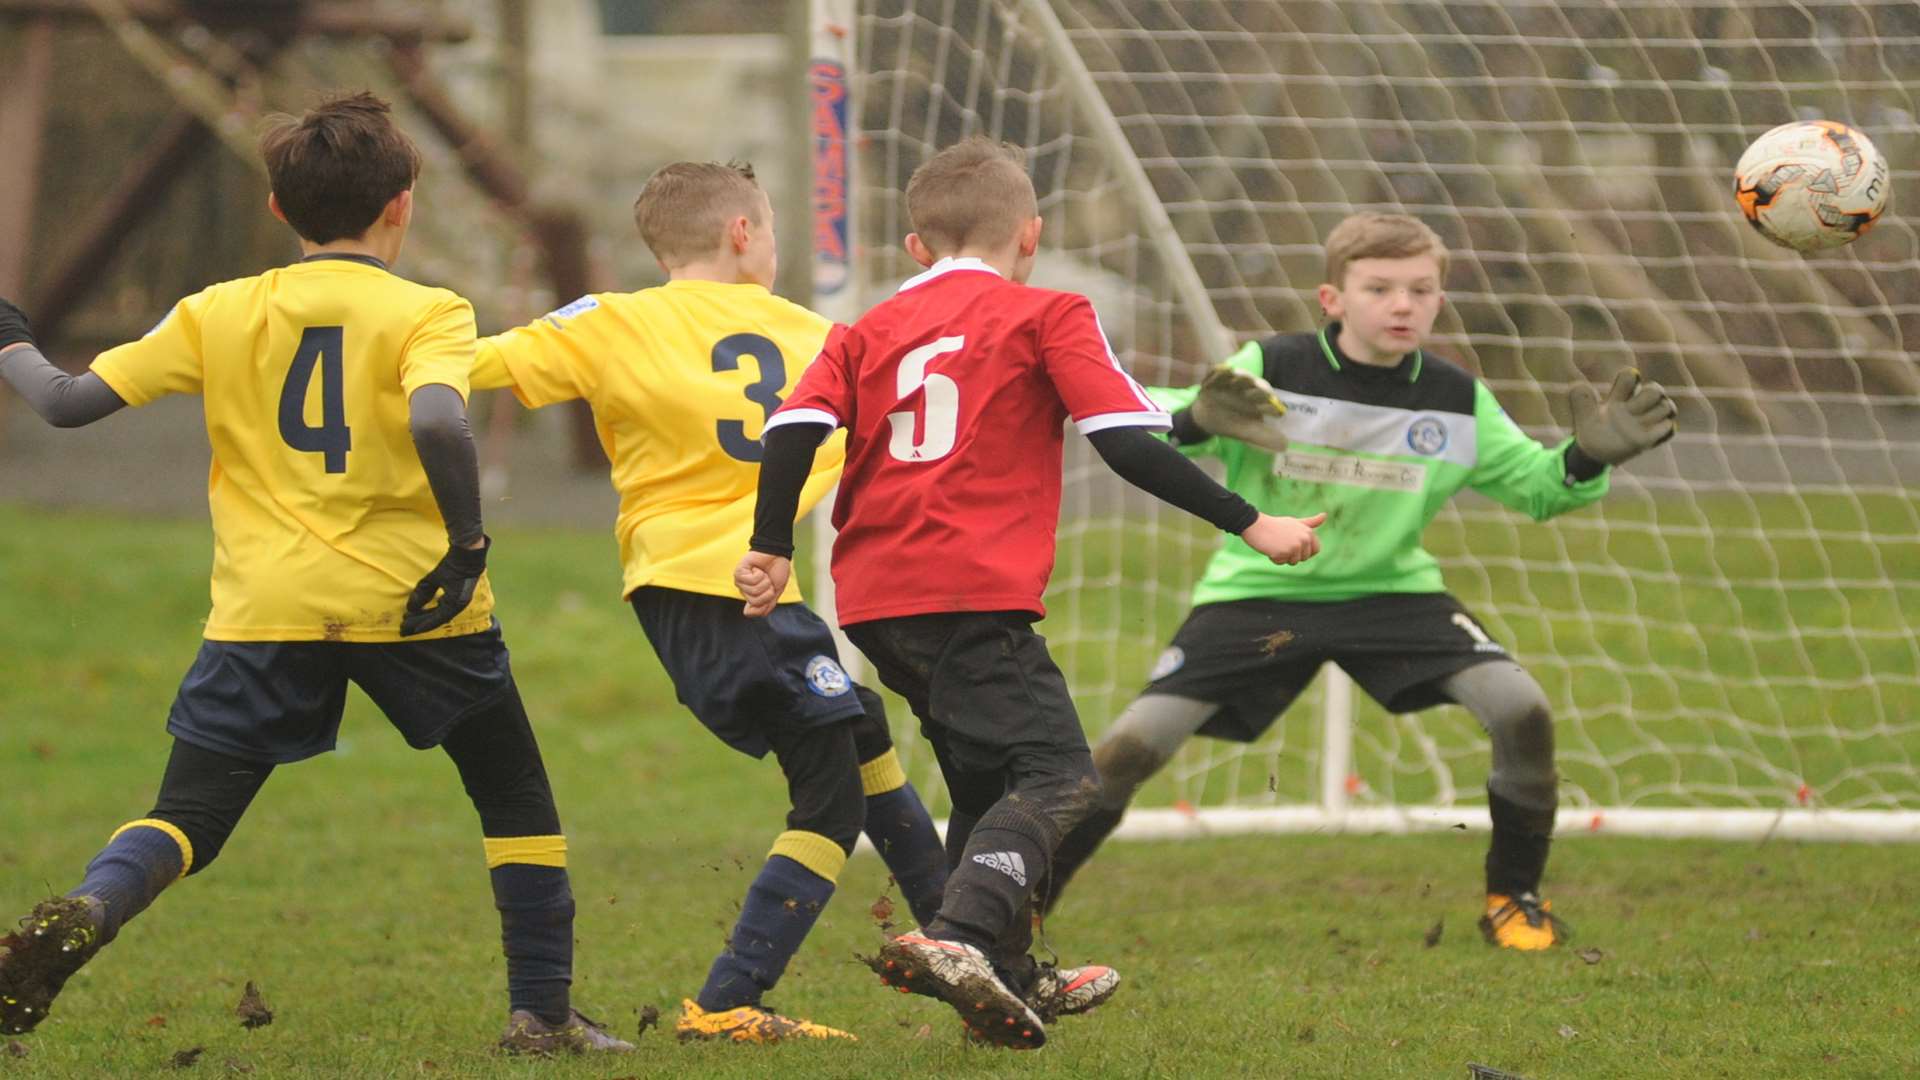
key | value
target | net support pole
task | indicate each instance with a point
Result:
(1092, 106)
(828, 41)
(1336, 742)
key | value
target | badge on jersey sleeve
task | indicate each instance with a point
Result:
(559, 316)
(826, 677)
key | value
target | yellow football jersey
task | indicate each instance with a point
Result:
(681, 379)
(322, 518)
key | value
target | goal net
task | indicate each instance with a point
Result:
(1727, 639)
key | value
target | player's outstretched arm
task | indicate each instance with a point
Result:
(1285, 540)
(63, 400)
(1634, 417)
(1239, 405)
(785, 462)
(1161, 471)
(437, 417)
(490, 371)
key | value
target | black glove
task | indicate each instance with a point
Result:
(14, 328)
(453, 581)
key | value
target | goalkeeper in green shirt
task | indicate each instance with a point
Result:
(1359, 421)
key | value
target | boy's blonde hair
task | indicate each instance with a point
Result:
(1380, 236)
(975, 193)
(684, 207)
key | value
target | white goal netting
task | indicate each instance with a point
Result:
(1732, 629)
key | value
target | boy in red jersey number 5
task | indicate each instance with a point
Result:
(953, 393)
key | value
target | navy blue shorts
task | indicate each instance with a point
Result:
(745, 677)
(1253, 657)
(276, 702)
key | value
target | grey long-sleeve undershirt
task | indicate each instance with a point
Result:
(437, 417)
(63, 400)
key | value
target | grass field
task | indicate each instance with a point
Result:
(354, 893)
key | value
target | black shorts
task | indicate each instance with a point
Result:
(276, 702)
(746, 677)
(988, 695)
(1253, 657)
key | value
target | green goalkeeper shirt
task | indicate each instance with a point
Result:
(1380, 450)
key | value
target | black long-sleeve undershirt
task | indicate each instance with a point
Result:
(1131, 452)
(785, 462)
(1159, 470)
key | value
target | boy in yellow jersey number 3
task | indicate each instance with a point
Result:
(348, 547)
(681, 378)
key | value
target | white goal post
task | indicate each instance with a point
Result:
(1728, 639)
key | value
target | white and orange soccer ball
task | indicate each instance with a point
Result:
(1812, 184)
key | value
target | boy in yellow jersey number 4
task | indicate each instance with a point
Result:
(348, 547)
(680, 378)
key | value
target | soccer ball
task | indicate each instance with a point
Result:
(1812, 185)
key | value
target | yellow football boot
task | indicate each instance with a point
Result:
(748, 1024)
(1523, 922)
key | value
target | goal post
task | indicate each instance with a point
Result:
(826, 41)
(1727, 640)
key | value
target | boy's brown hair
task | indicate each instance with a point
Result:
(975, 193)
(1380, 236)
(334, 169)
(684, 207)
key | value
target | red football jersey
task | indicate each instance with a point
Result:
(954, 393)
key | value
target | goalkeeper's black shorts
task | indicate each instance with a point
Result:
(1253, 657)
(744, 678)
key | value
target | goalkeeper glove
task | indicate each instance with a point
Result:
(453, 580)
(1240, 406)
(1634, 416)
(14, 328)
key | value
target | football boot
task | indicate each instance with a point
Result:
(1523, 922)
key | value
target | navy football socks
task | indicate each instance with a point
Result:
(536, 932)
(129, 873)
(903, 833)
(782, 904)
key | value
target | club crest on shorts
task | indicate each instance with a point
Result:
(826, 677)
(1427, 436)
(1170, 661)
